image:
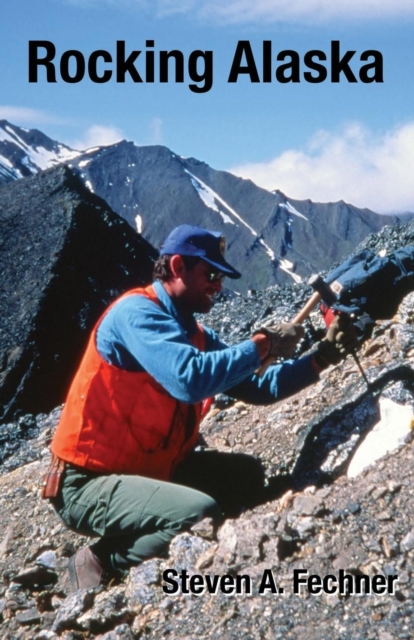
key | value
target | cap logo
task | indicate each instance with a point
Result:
(222, 245)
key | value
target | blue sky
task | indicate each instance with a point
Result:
(326, 141)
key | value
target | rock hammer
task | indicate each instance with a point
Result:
(328, 296)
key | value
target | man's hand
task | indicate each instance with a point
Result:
(340, 340)
(283, 338)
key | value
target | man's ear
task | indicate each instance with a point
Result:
(177, 266)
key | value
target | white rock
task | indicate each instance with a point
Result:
(391, 432)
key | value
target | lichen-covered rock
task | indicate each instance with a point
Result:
(140, 584)
(109, 609)
(71, 609)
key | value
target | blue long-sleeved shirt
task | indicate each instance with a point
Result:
(140, 335)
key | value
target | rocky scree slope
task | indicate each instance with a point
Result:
(317, 520)
(271, 238)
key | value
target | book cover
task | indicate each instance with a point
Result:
(313, 99)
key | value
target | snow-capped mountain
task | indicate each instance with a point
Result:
(270, 238)
(24, 152)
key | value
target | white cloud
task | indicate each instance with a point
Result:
(246, 11)
(25, 116)
(355, 165)
(97, 136)
(309, 11)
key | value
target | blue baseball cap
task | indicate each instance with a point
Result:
(188, 240)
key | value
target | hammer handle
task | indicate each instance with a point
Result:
(298, 319)
(308, 308)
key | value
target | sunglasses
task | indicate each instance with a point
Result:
(215, 276)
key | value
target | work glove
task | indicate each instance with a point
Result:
(283, 338)
(341, 339)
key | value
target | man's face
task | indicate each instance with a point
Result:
(200, 284)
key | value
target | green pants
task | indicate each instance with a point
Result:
(135, 517)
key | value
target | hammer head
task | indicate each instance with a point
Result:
(318, 284)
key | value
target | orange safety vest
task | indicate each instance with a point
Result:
(117, 421)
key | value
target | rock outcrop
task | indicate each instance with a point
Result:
(64, 255)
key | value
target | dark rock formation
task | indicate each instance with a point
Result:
(64, 255)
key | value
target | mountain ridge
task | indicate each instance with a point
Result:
(271, 238)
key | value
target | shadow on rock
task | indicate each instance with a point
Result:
(235, 480)
(326, 445)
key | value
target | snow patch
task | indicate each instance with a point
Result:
(269, 251)
(286, 266)
(226, 219)
(210, 198)
(139, 223)
(38, 157)
(9, 172)
(291, 209)
(6, 162)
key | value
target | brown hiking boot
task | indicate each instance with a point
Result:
(86, 570)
